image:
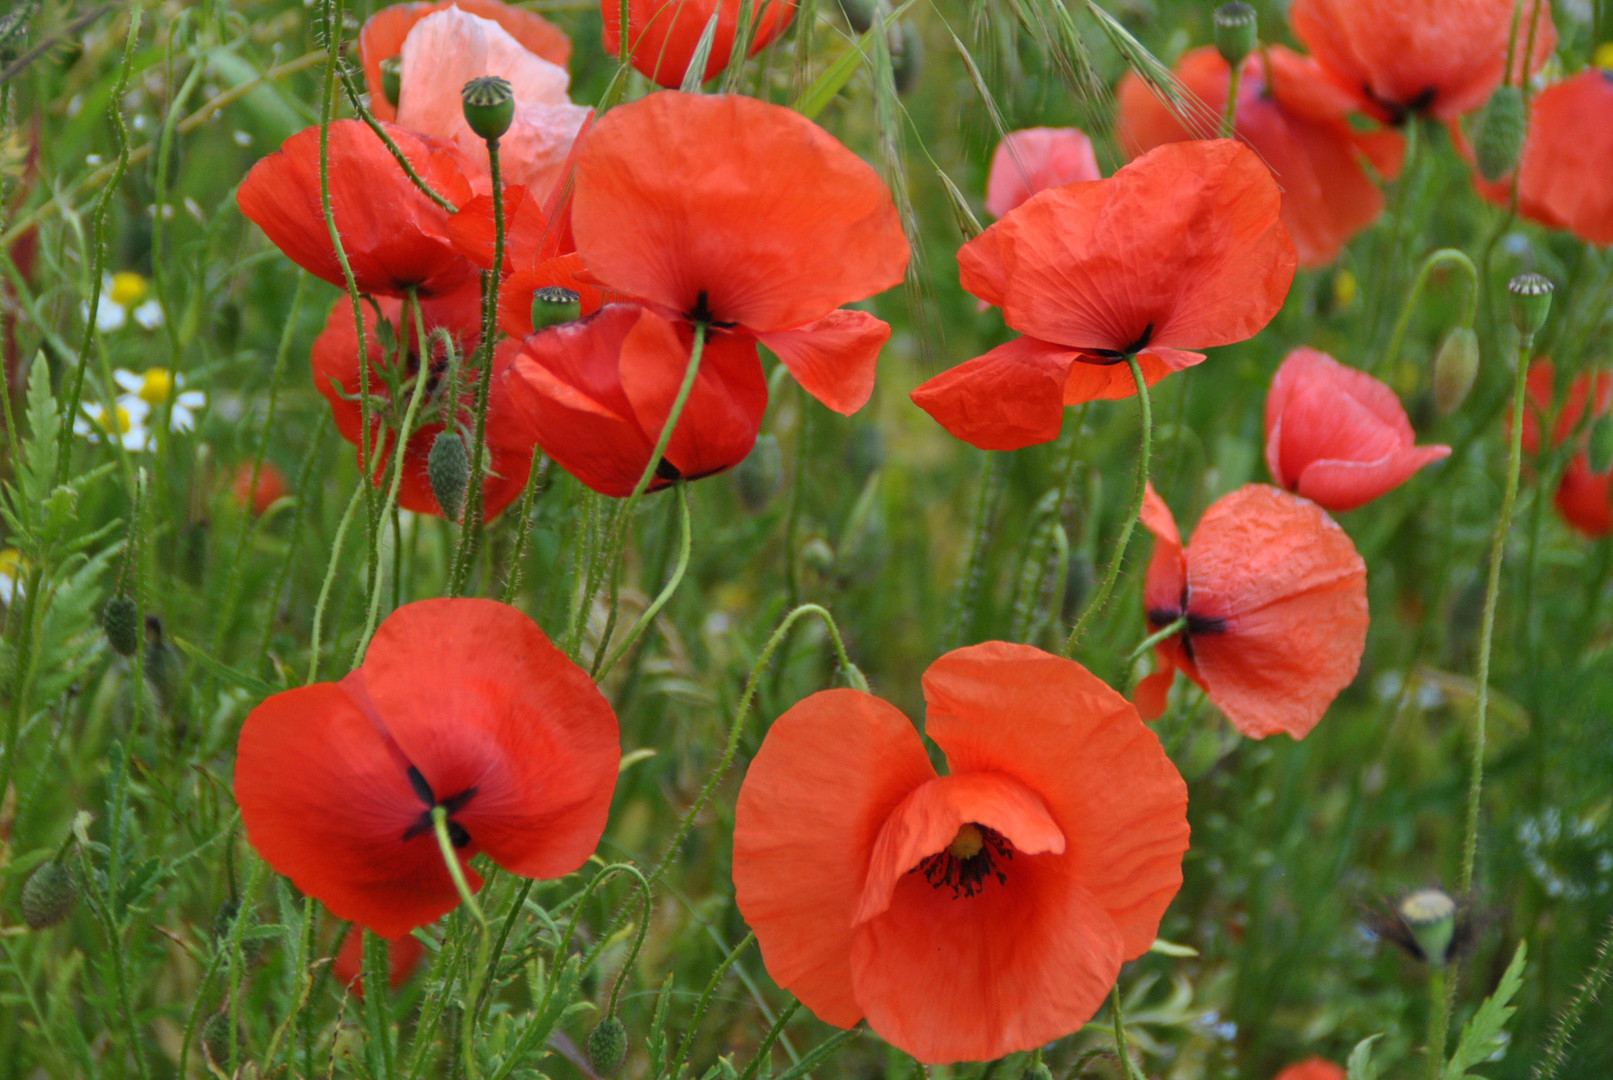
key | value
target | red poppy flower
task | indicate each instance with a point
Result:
(403, 956)
(385, 32)
(1036, 159)
(1585, 498)
(1181, 249)
(270, 488)
(1336, 435)
(749, 218)
(663, 34)
(395, 238)
(1275, 598)
(336, 376)
(1441, 58)
(447, 49)
(970, 915)
(1312, 1069)
(1296, 124)
(1567, 156)
(1541, 385)
(461, 704)
(595, 395)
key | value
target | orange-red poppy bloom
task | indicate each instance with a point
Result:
(595, 395)
(396, 239)
(1312, 1069)
(746, 217)
(385, 32)
(662, 35)
(1584, 496)
(1275, 599)
(403, 957)
(1336, 435)
(1440, 58)
(336, 375)
(970, 915)
(1567, 157)
(1182, 249)
(269, 489)
(462, 705)
(1035, 159)
(1295, 120)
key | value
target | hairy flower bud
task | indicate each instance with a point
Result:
(448, 469)
(1456, 365)
(1499, 139)
(120, 619)
(1237, 32)
(489, 106)
(607, 1046)
(47, 896)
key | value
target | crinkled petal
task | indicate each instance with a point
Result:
(833, 358)
(1011, 397)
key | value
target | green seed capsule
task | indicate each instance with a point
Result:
(489, 106)
(1531, 301)
(1237, 32)
(553, 305)
(1430, 915)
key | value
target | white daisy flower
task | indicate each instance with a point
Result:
(157, 385)
(12, 568)
(128, 423)
(123, 295)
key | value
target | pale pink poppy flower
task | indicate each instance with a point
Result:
(446, 50)
(1035, 159)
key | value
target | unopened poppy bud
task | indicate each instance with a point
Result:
(120, 619)
(392, 79)
(1531, 300)
(448, 469)
(1237, 32)
(553, 305)
(1430, 915)
(760, 475)
(1456, 365)
(1499, 139)
(607, 1046)
(1037, 1071)
(47, 896)
(907, 56)
(1600, 448)
(489, 106)
(817, 555)
(216, 1038)
(859, 13)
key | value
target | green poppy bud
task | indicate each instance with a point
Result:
(120, 619)
(907, 56)
(859, 14)
(1456, 365)
(1531, 301)
(1499, 139)
(392, 79)
(1237, 32)
(607, 1046)
(448, 469)
(1600, 447)
(216, 1038)
(1038, 1071)
(761, 474)
(817, 555)
(553, 305)
(1430, 916)
(47, 896)
(489, 106)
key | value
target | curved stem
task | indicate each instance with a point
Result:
(1154, 639)
(769, 1039)
(439, 826)
(1111, 573)
(1442, 256)
(644, 620)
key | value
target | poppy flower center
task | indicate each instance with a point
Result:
(1196, 624)
(453, 804)
(966, 863)
(702, 313)
(1115, 356)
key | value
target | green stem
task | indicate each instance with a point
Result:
(1154, 639)
(535, 476)
(769, 1039)
(1230, 113)
(717, 974)
(439, 825)
(1439, 1009)
(1438, 258)
(963, 604)
(355, 99)
(644, 620)
(1118, 1016)
(1111, 573)
(330, 577)
(1556, 1050)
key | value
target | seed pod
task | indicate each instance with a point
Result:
(553, 305)
(1531, 301)
(859, 13)
(47, 896)
(392, 79)
(1499, 139)
(761, 474)
(1430, 916)
(489, 106)
(1237, 32)
(607, 1046)
(120, 619)
(448, 469)
(817, 555)
(1456, 365)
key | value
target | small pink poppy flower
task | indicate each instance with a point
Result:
(446, 50)
(1036, 159)
(1336, 435)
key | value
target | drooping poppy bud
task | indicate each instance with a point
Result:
(1530, 303)
(1237, 32)
(607, 1046)
(1456, 365)
(120, 619)
(47, 896)
(1500, 135)
(489, 106)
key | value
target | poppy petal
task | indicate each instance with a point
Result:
(833, 358)
(325, 803)
(1071, 735)
(529, 731)
(834, 765)
(517, 292)
(750, 205)
(1585, 498)
(1011, 397)
(1152, 695)
(928, 820)
(1035, 159)
(1290, 589)
(974, 978)
(1167, 569)
(1109, 381)
(1345, 485)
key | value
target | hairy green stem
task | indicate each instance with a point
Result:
(330, 577)
(1154, 639)
(644, 620)
(1441, 257)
